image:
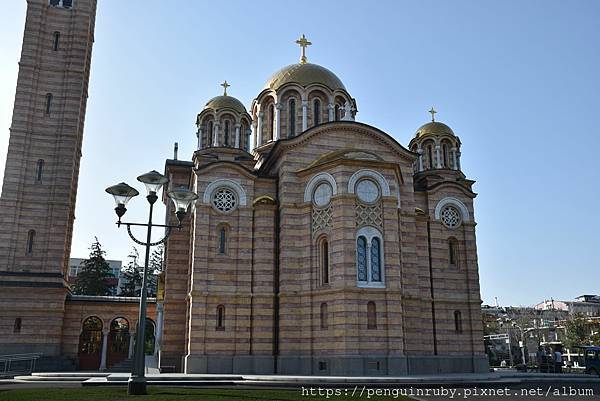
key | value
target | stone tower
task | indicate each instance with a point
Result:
(42, 167)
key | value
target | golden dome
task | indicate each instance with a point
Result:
(433, 128)
(304, 75)
(225, 102)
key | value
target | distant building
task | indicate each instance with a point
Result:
(588, 305)
(115, 266)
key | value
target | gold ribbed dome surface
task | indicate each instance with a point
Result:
(304, 75)
(433, 128)
(225, 102)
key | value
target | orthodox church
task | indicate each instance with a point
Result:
(319, 244)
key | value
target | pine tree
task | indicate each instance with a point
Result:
(132, 276)
(95, 271)
(155, 268)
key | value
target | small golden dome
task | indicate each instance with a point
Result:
(225, 102)
(433, 128)
(304, 75)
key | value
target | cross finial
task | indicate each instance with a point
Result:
(225, 85)
(433, 112)
(304, 43)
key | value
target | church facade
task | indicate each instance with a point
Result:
(318, 245)
(324, 246)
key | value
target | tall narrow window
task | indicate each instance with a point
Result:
(361, 258)
(458, 321)
(39, 170)
(56, 41)
(209, 133)
(452, 252)
(324, 315)
(317, 111)
(371, 315)
(226, 135)
(17, 326)
(222, 240)
(272, 120)
(292, 118)
(376, 260)
(48, 102)
(337, 112)
(220, 317)
(247, 145)
(446, 156)
(430, 156)
(30, 239)
(324, 259)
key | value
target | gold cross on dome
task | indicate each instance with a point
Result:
(303, 43)
(225, 85)
(433, 113)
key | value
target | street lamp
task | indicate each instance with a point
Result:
(182, 198)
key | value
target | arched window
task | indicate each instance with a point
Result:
(292, 118)
(17, 326)
(226, 134)
(324, 261)
(452, 252)
(48, 102)
(369, 258)
(458, 322)
(39, 169)
(209, 134)
(324, 315)
(30, 239)
(446, 155)
(247, 145)
(371, 315)
(317, 111)
(55, 43)
(222, 240)
(220, 317)
(430, 156)
(272, 120)
(337, 112)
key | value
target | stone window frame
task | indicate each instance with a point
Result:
(458, 326)
(449, 200)
(371, 315)
(376, 176)
(324, 316)
(56, 41)
(61, 4)
(314, 181)
(324, 270)
(220, 318)
(18, 325)
(453, 253)
(369, 233)
(234, 186)
(30, 241)
(225, 245)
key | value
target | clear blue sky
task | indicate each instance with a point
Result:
(517, 81)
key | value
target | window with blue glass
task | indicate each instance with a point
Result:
(369, 258)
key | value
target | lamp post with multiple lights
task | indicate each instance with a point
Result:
(182, 198)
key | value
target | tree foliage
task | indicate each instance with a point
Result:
(155, 267)
(95, 271)
(132, 275)
(580, 331)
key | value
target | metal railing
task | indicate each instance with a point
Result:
(17, 364)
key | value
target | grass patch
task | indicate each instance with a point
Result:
(169, 394)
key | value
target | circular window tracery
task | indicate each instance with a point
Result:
(450, 217)
(224, 200)
(322, 195)
(367, 191)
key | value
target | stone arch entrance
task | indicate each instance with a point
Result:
(118, 341)
(90, 344)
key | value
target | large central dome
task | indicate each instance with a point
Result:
(304, 75)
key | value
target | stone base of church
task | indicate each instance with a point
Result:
(337, 365)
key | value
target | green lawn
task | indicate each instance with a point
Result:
(169, 394)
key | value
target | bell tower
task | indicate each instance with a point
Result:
(42, 167)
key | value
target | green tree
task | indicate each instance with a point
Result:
(95, 271)
(577, 332)
(132, 276)
(155, 267)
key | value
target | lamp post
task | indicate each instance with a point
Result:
(182, 198)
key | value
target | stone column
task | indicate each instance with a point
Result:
(454, 165)
(331, 109)
(248, 134)
(216, 134)
(199, 134)
(237, 135)
(259, 128)
(104, 349)
(438, 163)
(277, 125)
(159, 327)
(420, 152)
(131, 344)
(304, 115)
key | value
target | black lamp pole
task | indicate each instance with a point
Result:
(182, 198)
